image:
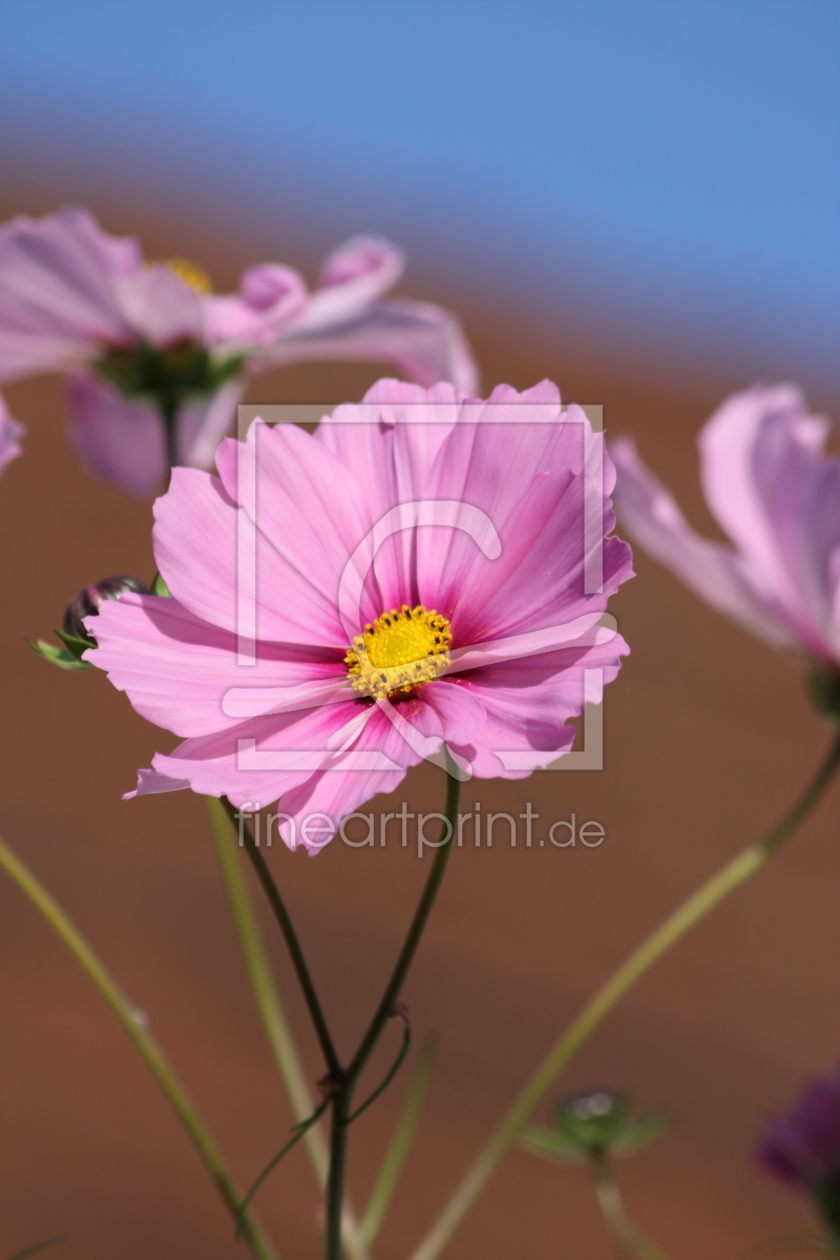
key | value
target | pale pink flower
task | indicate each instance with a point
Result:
(773, 490)
(137, 337)
(10, 434)
(420, 570)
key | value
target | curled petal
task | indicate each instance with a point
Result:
(425, 342)
(270, 299)
(352, 277)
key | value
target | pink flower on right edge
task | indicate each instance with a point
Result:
(775, 492)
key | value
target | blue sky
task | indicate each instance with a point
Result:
(674, 163)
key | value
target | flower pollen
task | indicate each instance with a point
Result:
(191, 275)
(399, 651)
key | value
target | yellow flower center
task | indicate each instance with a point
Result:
(399, 651)
(190, 274)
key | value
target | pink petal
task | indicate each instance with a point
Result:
(353, 277)
(160, 306)
(184, 675)
(424, 342)
(270, 299)
(211, 559)
(765, 480)
(390, 441)
(712, 571)
(265, 758)
(119, 440)
(332, 793)
(528, 702)
(58, 304)
(312, 521)
(203, 422)
(527, 468)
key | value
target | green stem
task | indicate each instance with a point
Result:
(690, 913)
(260, 1247)
(386, 1009)
(394, 1158)
(284, 921)
(271, 1011)
(626, 1237)
(168, 408)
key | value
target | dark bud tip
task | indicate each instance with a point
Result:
(824, 685)
(592, 1119)
(88, 601)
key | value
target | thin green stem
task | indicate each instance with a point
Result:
(299, 1130)
(286, 926)
(168, 408)
(272, 1013)
(338, 1163)
(387, 1078)
(393, 989)
(690, 913)
(343, 1094)
(627, 1238)
(259, 1245)
(394, 1158)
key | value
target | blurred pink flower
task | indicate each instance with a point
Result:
(419, 569)
(138, 337)
(10, 434)
(771, 487)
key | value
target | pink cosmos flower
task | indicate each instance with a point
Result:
(10, 434)
(771, 487)
(424, 568)
(141, 341)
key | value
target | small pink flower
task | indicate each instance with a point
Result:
(10, 434)
(137, 337)
(771, 487)
(417, 571)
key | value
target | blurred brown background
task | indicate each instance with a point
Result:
(708, 738)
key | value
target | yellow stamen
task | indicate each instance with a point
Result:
(190, 274)
(399, 651)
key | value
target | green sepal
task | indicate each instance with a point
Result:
(167, 376)
(159, 587)
(61, 657)
(75, 645)
(551, 1145)
(638, 1132)
(565, 1146)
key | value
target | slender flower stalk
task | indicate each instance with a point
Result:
(340, 1082)
(281, 914)
(625, 1235)
(674, 928)
(272, 1014)
(342, 1102)
(210, 1156)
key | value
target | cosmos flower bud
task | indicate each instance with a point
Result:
(589, 1125)
(88, 601)
(592, 1119)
